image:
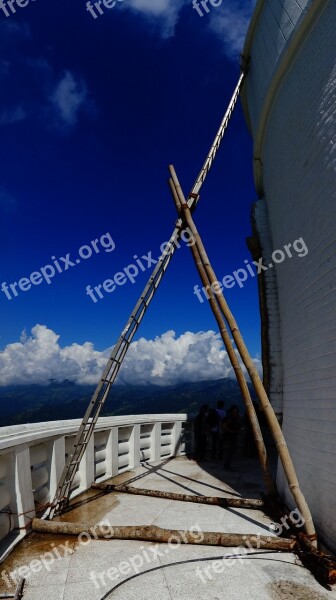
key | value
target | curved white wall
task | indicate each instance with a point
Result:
(298, 170)
(276, 23)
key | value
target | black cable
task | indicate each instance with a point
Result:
(181, 562)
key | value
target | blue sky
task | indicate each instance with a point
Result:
(92, 111)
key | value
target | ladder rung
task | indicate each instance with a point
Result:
(81, 444)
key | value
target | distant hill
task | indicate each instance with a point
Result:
(56, 401)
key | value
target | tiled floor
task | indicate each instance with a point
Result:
(124, 570)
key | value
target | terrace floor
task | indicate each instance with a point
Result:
(75, 571)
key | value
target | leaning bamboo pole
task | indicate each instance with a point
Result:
(213, 500)
(253, 419)
(272, 421)
(152, 533)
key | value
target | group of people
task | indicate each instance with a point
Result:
(222, 428)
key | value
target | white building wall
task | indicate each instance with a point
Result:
(277, 22)
(273, 312)
(299, 181)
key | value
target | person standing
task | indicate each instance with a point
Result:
(200, 432)
(221, 414)
(250, 448)
(215, 419)
(230, 427)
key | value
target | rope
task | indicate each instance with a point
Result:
(10, 513)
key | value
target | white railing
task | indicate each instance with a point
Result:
(32, 458)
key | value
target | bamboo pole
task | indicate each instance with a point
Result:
(152, 533)
(253, 419)
(321, 564)
(272, 421)
(214, 500)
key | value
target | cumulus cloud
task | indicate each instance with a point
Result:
(68, 98)
(39, 357)
(55, 98)
(169, 359)
(230, 23)
(166, 360)
(164, 12)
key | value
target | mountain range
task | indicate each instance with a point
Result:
(67, 400)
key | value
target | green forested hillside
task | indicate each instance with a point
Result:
(34, 403)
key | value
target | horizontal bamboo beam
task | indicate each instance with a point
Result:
(151, 533)
(215, 500)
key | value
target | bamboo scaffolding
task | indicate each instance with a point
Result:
(203, 263)
(152, 533)
(214, 500)
(253, 419)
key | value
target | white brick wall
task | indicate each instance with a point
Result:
(299, 165)
(278, 21)
(274, 337)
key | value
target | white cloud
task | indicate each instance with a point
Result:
(230, 22)
(68, 98)
(39, 357)
(165, 360)
(164, 12)
(53, 98)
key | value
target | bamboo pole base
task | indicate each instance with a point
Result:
(214, 500)
(151, 533)
(321, 564)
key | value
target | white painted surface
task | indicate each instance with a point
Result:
(272, 301)
(299, 165)
(148, 571)
(32, 458)
(278, 21)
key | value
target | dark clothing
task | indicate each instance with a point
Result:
(231, 427)
(250, 448)
(214, 421)
(214, 442)
(200, 433)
